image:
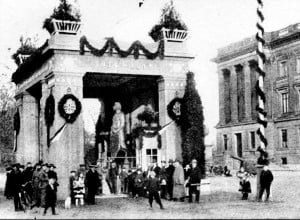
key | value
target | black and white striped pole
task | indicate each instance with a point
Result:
(261, 119)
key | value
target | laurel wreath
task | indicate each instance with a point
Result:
(70, 118)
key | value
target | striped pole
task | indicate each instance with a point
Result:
(261, 119)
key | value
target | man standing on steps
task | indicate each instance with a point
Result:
(112, 176)
(92, 184)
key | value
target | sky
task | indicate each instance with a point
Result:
(212, 24)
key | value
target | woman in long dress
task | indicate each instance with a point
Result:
(178, 182)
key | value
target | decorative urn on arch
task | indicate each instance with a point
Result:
(65, 19)
(170, 27)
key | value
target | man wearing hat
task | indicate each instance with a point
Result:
(8, 191)
(16, 186)
(170, 171)
(72, 178)
(163, 177)
(194, 181)
(178, 181)
(92, 184)
(43, 183)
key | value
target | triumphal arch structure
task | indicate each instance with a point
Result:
(69, 68)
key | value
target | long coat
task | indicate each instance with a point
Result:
(50, 196)
(92, 182)
(178, 182)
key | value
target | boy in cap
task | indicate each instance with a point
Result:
(50, 198)
(153, 187)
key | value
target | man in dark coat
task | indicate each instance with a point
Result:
(36, 196)
(170, 171)
(139, 183)
(156, 169)
(43, 177)
(131, 178)
(8, 191)
(28, 172)
(16, 186)
(92, 184)
(163, 178)
(266, 178)
(153, 187)
(52, 174)
(50, 198)
(112, 177)
(72, 178)
(194, 181)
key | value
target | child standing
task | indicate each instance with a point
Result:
(79, 190)
(245, 185)
(153, 187)
(50, 198)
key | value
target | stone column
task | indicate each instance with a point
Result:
(221, 97)
(168, 88)
(248, 109)
(28, 146)
(68, 151)
(233, 94)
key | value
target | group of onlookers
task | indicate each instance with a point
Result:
(32, 186)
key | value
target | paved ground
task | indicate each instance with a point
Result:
(224, 202)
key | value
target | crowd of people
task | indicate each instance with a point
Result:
(32, 186)
(36, 186)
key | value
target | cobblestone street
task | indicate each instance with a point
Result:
(223, 202)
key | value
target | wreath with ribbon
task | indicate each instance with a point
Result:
(148, 132)
(175, 110)
(49, 110)
(17, 122)
(69, 107)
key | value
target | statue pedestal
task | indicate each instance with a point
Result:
(105, 188)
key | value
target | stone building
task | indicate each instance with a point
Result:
(236, 130)
(60, 69)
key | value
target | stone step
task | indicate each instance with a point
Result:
(111, 196)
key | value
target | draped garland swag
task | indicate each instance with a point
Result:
(111, 45)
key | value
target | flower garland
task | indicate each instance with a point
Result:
(148, 132)
(69, 107)
(174, 110)
(49, 110)
(111, 45)
(17, 122)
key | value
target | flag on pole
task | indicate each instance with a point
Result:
(58, 134)
(165, 127)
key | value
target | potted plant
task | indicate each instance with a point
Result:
(170, 26)
(27, 47)
(64, 19)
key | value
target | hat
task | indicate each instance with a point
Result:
(194, 160)
(92, 165)
(52, 165)
(82, 165)
(45, 164)
(8, 168)
(72, 171)
(171, 161)
(177, 160)
(22, 166)
(163, 161)
(16, 165)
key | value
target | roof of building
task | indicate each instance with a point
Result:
(273, 40)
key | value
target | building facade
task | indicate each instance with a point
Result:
(236, 130)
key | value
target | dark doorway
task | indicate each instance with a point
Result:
(239, 145)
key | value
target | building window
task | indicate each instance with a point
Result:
(151, 155)
(283, 68)
(285, 102)
(284, 160)
(225, 142)
(298, 65)
(284, 138)
(252, 139)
